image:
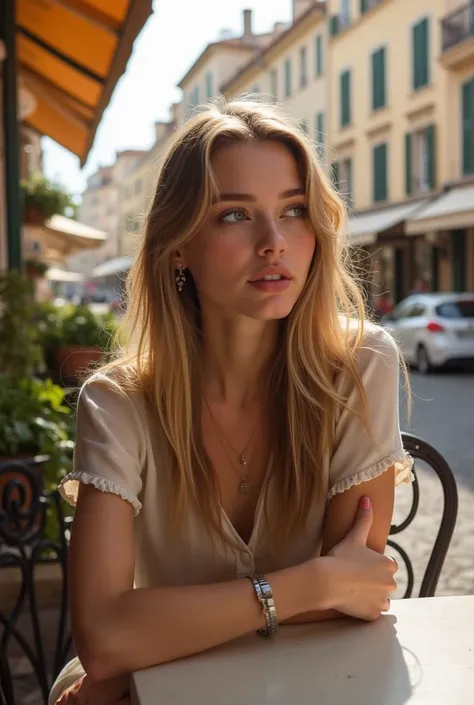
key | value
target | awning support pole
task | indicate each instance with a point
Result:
(11, 135)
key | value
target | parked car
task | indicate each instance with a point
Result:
(434, 329)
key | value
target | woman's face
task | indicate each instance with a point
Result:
(253, 254)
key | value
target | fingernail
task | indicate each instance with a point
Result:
(366, 503)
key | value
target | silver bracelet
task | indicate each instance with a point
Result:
(265, 597)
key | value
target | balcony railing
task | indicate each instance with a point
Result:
(458, 26)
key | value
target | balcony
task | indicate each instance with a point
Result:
(458, 37)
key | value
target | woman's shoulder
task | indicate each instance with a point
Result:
(369, 340)
(113, 385)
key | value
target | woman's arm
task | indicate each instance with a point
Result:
(340, 516)
(118, 629)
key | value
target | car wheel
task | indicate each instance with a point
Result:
(423, 363)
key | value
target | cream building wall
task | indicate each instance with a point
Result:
(388, 24)
(267, 74)
(137, 188)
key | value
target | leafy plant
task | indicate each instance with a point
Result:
(36, 266)
(42, 195)
(82, 327)
(20, 352)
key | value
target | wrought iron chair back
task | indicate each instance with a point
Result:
(25, 507)
(421, 450)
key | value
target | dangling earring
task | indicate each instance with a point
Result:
(180, 278)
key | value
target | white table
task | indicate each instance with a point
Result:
(420, 653)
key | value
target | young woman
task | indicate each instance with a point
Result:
(249, 429)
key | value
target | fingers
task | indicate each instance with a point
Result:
(363, 523)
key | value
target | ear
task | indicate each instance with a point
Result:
(179, 261)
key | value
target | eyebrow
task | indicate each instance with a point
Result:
(290, 193)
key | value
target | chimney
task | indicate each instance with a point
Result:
(248, 33)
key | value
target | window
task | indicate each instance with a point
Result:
(420, 160)
(345, 87)
(318, 49)
(195, 96)
(256, 88)
(420, 54)
(378, 79)
(319, 127)
(468, 127)
(274, 83)
(303, 67)
(209, 91)
(304, 126)
(379, 173)
(345, 179)
(344, 12)
(287, 78)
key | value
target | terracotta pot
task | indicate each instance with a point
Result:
(33, 216)
(73, 360)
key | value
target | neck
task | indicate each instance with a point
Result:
(235, 354)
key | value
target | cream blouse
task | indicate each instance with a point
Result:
(119, 449)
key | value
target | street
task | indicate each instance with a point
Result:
(443, 415)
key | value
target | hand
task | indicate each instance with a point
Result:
(360, 579)
(114, 691)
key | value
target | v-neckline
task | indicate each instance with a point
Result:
(257, 515)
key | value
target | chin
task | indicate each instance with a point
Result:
(271, 310)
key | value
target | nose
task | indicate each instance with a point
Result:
(271, 241)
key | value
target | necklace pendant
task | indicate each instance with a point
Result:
(243, 459)
(245, 486)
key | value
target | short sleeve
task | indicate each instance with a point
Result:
(359, 456)
(110, 445)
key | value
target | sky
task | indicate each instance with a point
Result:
(172, 39)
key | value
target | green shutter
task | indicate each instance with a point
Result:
(335, 174)
(209, 92)
(348, 187)
(319, 55)
(420, 52)
(431, 156)
(379, 172)
(319, 128)
(288, 78)
(334, 26)
(363, 6)
(408, 163)
(378, 79)
(468, 128)
(345, 84)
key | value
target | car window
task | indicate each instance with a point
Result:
(403, 311)
(417, 310)
(456, 309)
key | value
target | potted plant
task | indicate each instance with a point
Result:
(35, 269)
(33, 419)
(85, 337)
(43, 198)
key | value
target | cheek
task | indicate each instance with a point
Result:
(216, 254)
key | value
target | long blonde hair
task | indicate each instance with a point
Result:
(162, 327)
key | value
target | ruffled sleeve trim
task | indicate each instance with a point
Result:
(402, 461)
(69, 485)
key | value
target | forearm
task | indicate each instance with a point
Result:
(145, 627)
(315, 616)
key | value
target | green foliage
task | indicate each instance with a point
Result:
(20, 352)
(74, 325)
(46, 197)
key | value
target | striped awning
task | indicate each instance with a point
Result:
(70, 55)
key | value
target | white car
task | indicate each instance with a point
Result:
(434, 329)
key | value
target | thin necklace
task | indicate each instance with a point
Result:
(244, 486)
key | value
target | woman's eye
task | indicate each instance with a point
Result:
(235, 216)
(296, 212)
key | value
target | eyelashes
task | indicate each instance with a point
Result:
(240, 215)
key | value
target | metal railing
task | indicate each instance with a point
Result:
(458, 26)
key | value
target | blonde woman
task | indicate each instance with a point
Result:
(235, 468)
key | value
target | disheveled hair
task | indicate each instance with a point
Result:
(161, 330)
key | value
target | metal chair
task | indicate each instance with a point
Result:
(25, 510)
(421, 450)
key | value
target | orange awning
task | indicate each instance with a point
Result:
(71, 54)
